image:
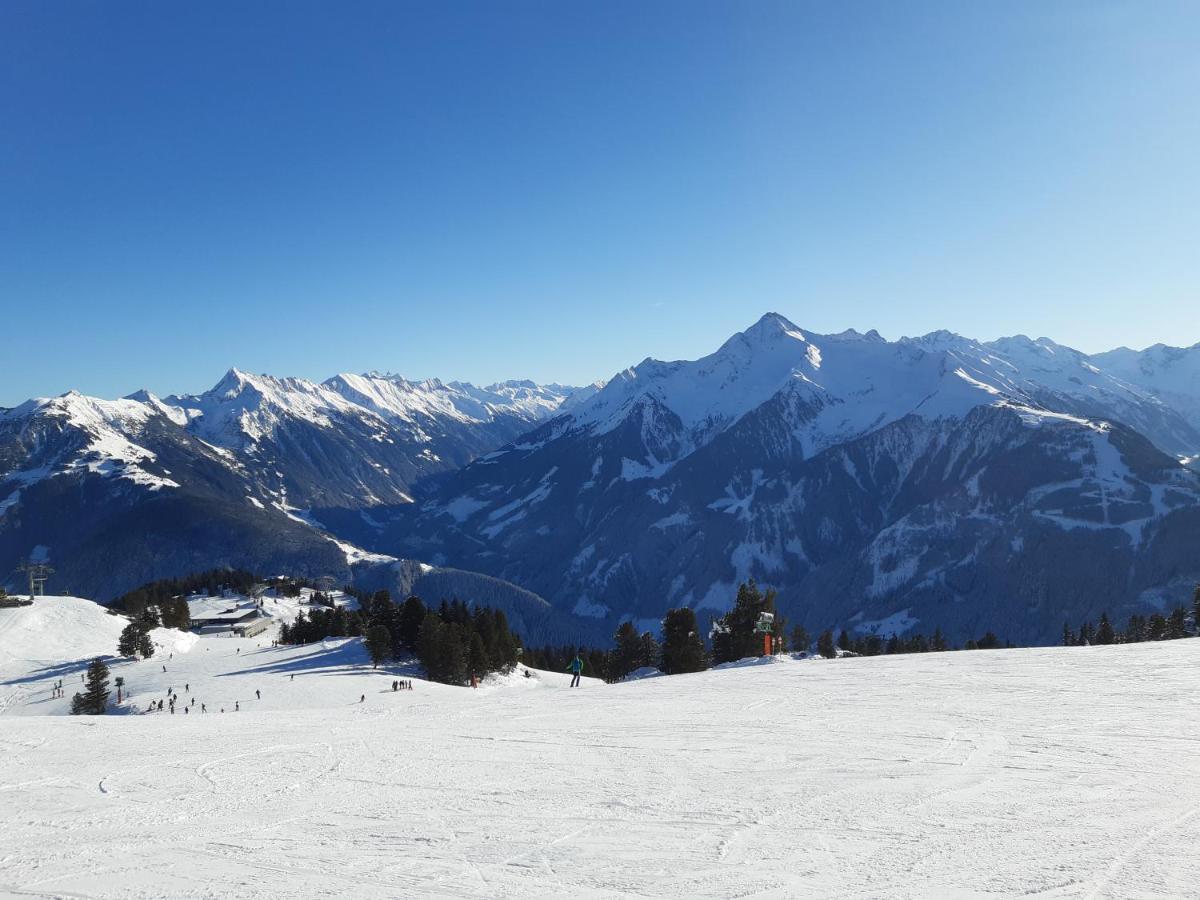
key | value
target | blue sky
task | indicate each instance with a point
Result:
(558, 190)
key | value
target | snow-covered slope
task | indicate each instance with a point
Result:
(57, 637)
(1062, 772)
(1172, 374)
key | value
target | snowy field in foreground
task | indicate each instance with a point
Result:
(1054, 773)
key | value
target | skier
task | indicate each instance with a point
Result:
(203, 708)
(258, 694)
(576, 668)
(362, 699)
(237, 705)
(395, 684)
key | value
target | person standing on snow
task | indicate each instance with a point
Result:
(576, 668)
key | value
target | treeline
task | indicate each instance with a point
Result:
(731, 637)
(453, 643)
(167, 594)
(1155, 627)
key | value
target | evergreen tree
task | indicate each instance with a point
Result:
(844, 641)
(129, 641)
(627, 653)
(682, 647)
(1087, 634)
(1196, 610)
(939, 641)
(1156, 628)
(1177, 624)
(1068, 635)
(988, 642)
(800, 638)
(734, 635)
(94, 699)
(378, 643)
(477, 660)
(1136, 630)
(1104, 631)
(411, 618)
(145, 646)
(825, 645)
(649, 652)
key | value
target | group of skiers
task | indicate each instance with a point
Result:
(402, 685)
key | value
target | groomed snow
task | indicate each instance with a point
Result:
(1049, 772)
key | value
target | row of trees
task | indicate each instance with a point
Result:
(1155, 627)
(734, 636)
(167, 594)
(453, 643)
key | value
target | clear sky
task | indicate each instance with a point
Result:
(557, 190)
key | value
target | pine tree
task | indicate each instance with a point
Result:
(1177, 624)
(1196, 610)
(1068, 635)
(1156, 628)
(682, 647)
(410, 620)
(378, 643)
(844, 641)
(145, 646)
(94, 699)
(129, 641)
(477, 658)
(1135, 631)
(825, 645)
(627, 653)
(1104, 631)
(734, 635)
(939, 640)
(649, 652)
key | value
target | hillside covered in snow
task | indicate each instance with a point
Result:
(1058, 772)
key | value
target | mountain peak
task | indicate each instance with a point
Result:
(233, 383)
(771, 325)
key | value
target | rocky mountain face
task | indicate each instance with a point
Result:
(118, 492)
(878, 485)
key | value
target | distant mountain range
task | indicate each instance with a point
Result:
(934, 481)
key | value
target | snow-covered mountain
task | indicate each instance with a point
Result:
(931, 481)
(1171, 374)
(935, 480)
(122, 491)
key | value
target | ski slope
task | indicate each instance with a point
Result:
(1062, 772)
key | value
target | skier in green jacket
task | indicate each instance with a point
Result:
(576, 667)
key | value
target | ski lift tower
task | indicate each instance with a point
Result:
(766, 627)
(38, 572)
